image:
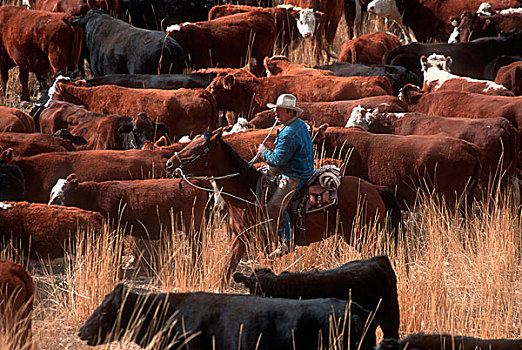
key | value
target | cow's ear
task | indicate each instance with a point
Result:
(455, 21)
(320, 132)
(424, 63)
(161, 128)
(318, 15)
(71, 179)
(228, 82)
(410, 94)
(449, 61)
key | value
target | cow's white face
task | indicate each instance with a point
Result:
(360, 117)
(306, 23)
(385, 8)
(57, 192)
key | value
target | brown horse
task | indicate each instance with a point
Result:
(208, 154)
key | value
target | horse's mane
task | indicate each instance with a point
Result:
(244, 168)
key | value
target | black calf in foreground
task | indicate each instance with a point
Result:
(421, 341)
(367, 282)
(227, 321)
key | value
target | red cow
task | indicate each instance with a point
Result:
(14, 120)
(369, 48)
(333, 113)
(36, 41)
(24, 144)
(250, 95)
(183, 111)
(43, 170)
(510, 76)
(497, 138)
(230, 41)
(148, 204)
(44, 231)
(76, 7)
(281, 65)
(430, 20)
(101, 131)
(16, 303)
(437, 77)
(445, 165)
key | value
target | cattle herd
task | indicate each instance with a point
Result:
(442, 114)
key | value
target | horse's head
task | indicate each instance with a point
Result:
(196, 156)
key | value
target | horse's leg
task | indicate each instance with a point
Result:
(237, 249)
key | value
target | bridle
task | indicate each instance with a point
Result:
(188, 160)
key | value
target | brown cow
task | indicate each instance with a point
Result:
(369, 48)
(510, 76)
(36, 41)
(250, 95)
(16, 304)
(183, 111)
(472, 25)
(334, 113)
(281, 65)
(76, 7)
(15, 120)
(101, 131)
(445, 165)
(497, 138)
(421, 341)
(45, 230)
(24, 144)
(230, 41)
(437, 77)
(147, 205)
(459, 104)
(43, 170)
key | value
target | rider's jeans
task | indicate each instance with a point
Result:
(277, 205)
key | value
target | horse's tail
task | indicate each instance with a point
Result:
(393, 209)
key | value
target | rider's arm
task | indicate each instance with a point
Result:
(283, 152)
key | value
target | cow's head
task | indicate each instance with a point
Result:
(360, 117)
(66, 135)
(472, 26)
(62, 190)
(252, 281)
(436, 61)
(100, 327)
(91, 14)
(273, 65)
(410, 94)
(392, 9)
(144, 129)
(307, 20)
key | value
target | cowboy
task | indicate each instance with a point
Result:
(293, 158)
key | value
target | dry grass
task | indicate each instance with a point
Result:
(457, 273)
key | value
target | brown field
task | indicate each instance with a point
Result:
(458, 272)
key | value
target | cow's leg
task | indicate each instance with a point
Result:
(4, 76)
(24, 81)
(349, 16)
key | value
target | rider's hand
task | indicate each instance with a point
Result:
(261, 148)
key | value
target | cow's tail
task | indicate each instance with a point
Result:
(172, 56)
(393, 211)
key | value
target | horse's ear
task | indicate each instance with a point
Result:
(216, 135)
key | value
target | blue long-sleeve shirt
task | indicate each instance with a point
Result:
(294, 153)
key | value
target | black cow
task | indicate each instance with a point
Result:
(224, 321)
(154, 81)
(491, 70)
(115, 47)
(398, 76)
(370, 281)
(421, 341)
(469, 58)
(12, 183)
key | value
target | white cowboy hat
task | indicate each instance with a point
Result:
(286, 101)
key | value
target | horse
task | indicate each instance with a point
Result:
(208, 154)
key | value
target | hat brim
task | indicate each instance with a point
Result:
(297, 109)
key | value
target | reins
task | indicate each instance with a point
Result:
(253, 160)
(180, 172)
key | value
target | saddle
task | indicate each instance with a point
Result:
(319, 193)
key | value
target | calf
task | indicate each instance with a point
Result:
(250, 95)
(472, 25)
(447, 166)
(247, 322)
(497, 139)
(369, 48)
(183, 111)
(229, 41)
(36, 41)
(115, 47)
(101, 131)
(16, 303)
(510, 76)
(370, 283)
(469, 59)
(459, 104)
(148, 204)
(281, 65)
(45, 231)
(14, 120)
(397, 75)
(334, 113)
(437, 77)
(421, 341)
(43, 170)
(154, 81)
